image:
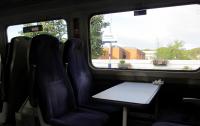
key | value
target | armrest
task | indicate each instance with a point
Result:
(191, 100)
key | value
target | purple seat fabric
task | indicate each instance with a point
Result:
(80, 75)
(80, 118)
(17, 76)
(180, 112)
(81, 79)
(55, 95)
(78, 71)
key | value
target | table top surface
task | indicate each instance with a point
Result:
(130, 92)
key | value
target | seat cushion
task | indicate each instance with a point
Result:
(114, 112)
(103, 107)
(182, 114)
(81, 117)
(168, 124)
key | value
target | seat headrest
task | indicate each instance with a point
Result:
(71, 44)
(75, 43)
(18, 52)
(17, 72)
(55, 94)
(42, 43)
(19, 41)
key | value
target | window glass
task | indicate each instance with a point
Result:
(161, 39)
(57, 28)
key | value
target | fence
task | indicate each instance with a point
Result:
(148, 64)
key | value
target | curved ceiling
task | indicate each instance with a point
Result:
(7, 7)
(21, 3)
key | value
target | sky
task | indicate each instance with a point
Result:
(158, 28)
(13, 31)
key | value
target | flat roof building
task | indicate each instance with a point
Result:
(123, 53)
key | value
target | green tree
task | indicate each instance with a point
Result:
(194, 53)
(96, 25)
(56, 28)
(163, 53)
(173, 51)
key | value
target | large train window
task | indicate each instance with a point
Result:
(57, 28)
(154, 39)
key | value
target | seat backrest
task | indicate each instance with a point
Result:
(78, 70)
(17, 67)
(61, 48)
(1, 84)
(55, 96)
(17, 76)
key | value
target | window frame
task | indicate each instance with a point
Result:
(142, 70)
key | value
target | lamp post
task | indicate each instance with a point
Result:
(109, 39)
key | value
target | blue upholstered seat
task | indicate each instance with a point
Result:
(81, 79)
(17, 76)
(80, 118)
(55, 95)
(180, 113)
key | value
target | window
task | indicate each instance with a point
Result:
(57, 28)
(160, 39)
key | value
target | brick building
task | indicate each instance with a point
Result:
(123, 53)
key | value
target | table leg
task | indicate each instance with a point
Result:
(124, 118)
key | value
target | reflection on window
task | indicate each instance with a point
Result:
(163, 38)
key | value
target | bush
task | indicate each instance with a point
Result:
(187, 68)
(122, 61)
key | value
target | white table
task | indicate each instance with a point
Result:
(129, 92)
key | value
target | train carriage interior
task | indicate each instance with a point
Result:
(99, 63)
